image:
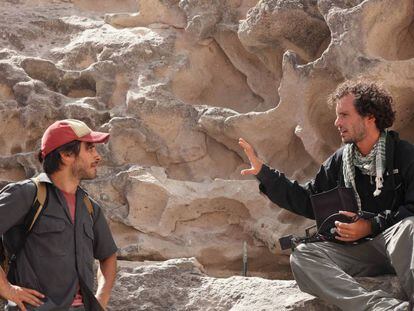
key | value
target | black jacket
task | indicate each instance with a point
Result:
(397, 194)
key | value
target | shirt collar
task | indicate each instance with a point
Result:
(43, 177)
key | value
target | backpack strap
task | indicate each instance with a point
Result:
(38, 202)
(88, 204)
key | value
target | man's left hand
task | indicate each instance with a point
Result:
(106, 279)
(353, 231)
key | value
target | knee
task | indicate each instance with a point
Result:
(409, 221)
(403, 231)
(302, 255)
(407, 225)
(297, 254)
(302, 261)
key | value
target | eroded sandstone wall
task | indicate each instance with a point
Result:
(176, 83)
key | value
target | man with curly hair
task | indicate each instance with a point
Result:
(379, 167)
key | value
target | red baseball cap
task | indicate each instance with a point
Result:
(64, 131)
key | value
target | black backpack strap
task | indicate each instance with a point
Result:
(341, 179)
(396, 176)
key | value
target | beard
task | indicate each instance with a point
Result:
(84, 171)
(358, 132)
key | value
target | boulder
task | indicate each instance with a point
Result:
(181, 284)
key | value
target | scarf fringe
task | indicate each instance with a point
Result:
(375, 167)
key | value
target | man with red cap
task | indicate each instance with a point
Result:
(52, 267)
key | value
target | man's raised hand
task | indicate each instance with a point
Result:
(255, 163)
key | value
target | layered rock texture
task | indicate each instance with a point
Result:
(176, 83)
(181, 284)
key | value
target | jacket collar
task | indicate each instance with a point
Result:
(43, 177)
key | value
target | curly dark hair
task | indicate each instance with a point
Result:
(370, 100)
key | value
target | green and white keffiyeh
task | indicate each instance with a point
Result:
(373, 165)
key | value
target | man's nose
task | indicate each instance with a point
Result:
(97, 156)
(336, 123)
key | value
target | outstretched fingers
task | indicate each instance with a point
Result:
(247, 148)
(23, 295)
(255, 162)
(33, 295)
(250, 171)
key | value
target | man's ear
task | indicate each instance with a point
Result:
(371, 119)
(67, 157)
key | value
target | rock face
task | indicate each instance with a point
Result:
(182, 285)
(176, 83)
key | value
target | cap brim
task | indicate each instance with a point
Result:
(95, 137)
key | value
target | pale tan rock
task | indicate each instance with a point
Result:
(202, 16)
(173, 126)
(107, 5)
(222, 85)
(210, 219)
(274, 26)
(149, 12)
(260, 79)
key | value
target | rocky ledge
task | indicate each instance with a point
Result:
(181, 284)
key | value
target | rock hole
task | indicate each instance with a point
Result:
(82, 87)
